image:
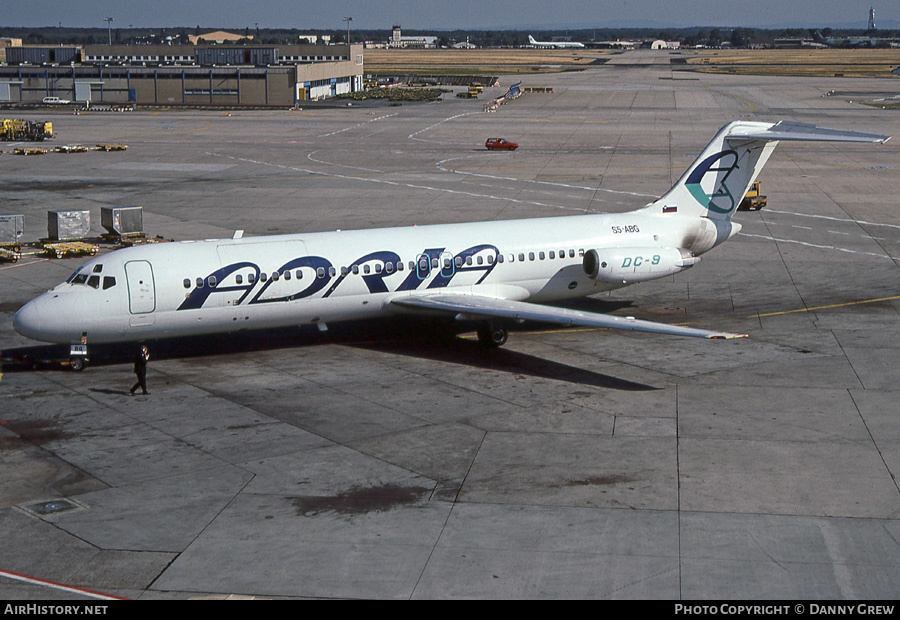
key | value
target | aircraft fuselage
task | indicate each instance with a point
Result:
(192, 287)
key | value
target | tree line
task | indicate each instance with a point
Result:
(690, 37)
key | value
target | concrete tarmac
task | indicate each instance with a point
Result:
(376, 462)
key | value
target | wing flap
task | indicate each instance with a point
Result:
(470, 305)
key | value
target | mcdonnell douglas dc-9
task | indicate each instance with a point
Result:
(554, 44)
(486, 275)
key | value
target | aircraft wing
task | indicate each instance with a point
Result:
(470, 306)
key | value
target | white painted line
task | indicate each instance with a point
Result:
(58, 586)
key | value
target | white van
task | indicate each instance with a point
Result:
(55, 101)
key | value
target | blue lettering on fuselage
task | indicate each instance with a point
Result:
(324, 274)
(318, 282)
(422, 269)
(199, 295)
(374, 282)
(464, 262)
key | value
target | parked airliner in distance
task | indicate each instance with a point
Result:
(488, 275)
(553, 44)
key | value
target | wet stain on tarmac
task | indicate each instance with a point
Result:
(35, 432)
(600, 480)
(360, 500)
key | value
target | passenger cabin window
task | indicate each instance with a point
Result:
(187, 282)
(199, 282)
(238, 279)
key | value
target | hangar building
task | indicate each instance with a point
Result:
(216, 75)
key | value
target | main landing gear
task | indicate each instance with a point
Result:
(492, 335)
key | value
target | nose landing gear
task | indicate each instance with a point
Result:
(78, 357)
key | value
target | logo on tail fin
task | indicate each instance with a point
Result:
(719, 199)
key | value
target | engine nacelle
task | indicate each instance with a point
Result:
(709, 234)
(627, 265)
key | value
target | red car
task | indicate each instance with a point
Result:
(494, 144)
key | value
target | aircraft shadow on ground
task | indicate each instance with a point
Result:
(425, 339)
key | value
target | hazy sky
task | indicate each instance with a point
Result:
(494, 14)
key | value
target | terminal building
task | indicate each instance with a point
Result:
(181, 75)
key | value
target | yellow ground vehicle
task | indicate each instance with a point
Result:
(753, 201)
(472, 93)
(15, 129)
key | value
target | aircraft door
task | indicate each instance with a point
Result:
(141, 289)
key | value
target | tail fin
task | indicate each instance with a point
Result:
(719, 178)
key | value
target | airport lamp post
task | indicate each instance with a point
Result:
(348, 20)
(108, 21)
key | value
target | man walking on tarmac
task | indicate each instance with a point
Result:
(140, 369)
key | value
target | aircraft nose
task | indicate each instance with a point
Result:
(28, 320)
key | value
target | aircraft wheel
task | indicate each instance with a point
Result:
(77, 363)
(493, 336)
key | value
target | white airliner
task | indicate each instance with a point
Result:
(553, 44)
(487, 275)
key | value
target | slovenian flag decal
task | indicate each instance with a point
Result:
(668, 209)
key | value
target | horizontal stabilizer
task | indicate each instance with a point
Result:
(790, 130)
(477, 306)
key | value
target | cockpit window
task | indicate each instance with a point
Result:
(108, 282)
(74, 273)
(80, 278)
(98, 268)
(94, 282)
